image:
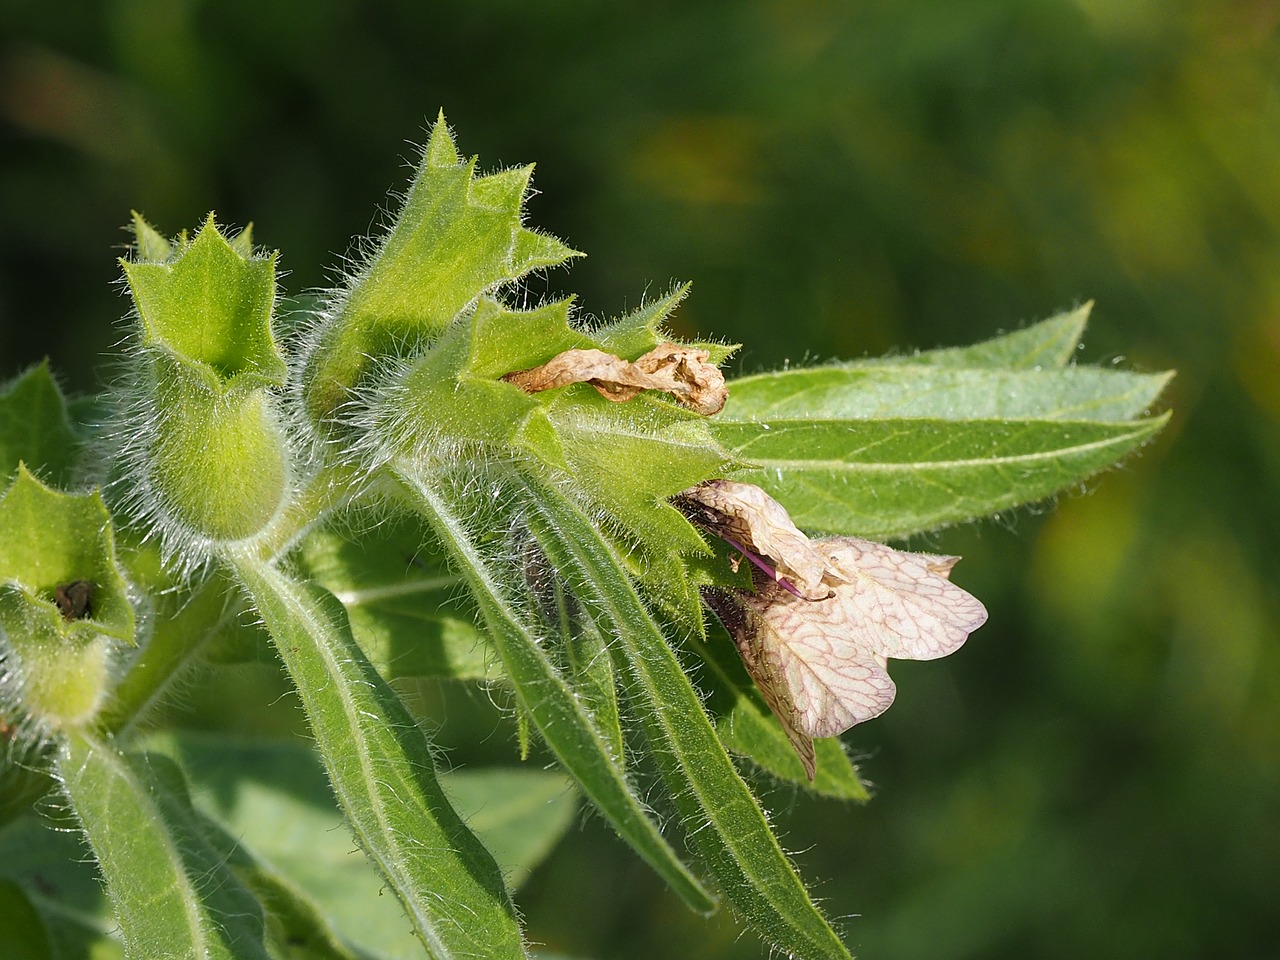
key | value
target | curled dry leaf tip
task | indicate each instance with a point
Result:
(684, 372)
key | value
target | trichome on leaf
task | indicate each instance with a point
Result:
(424, 395)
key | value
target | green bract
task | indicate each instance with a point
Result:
(382, 503)
(457, 236)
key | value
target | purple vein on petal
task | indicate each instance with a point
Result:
(783, 582)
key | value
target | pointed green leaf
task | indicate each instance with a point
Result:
(583, 650)
(891, 478)
(585, 750)
(172, 896)
(720, 813)
(273, 797)
(1047, 344)
(882, 391)
(383, 773)
(289, 841)
(455, 238)
(405, 606)
(35, 429)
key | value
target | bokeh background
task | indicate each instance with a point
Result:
(1098, 772)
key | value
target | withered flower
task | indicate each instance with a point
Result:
(684, 372)
(826, 615)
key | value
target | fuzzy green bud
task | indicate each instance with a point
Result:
(204, 437)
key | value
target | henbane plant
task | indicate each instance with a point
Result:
(424, 478)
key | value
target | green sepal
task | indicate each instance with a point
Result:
(218, 452)
(210, 304)
(49, 539)
(214, 446)
(628, 459)
(35, 428)
(503, 340)
(644, 328)
(456, 237)
(625, 458)
(63, 601)
(149, 244)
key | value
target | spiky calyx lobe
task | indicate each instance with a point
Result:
(621, 460)
(211, 443)
(456, 237)
(63, 603)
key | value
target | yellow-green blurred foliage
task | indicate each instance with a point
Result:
(1098, 772)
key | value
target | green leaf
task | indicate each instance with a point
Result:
(584, 653)
(274, 798)
(520, 814)
(892, 478)
(24, 934)
(50, 863)
(456, 237)
(185, 620)
(35, 429)
(59, 879)
(382, 771)
(1049, 343)
(574, 735)
(405, 606)
(172, 896)
(289, 842)
(884, 391)
(720, 813)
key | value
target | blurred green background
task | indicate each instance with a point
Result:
(1098, 772)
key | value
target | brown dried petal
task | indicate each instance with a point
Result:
(821, 664)
(683, 372)
(753, 521)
